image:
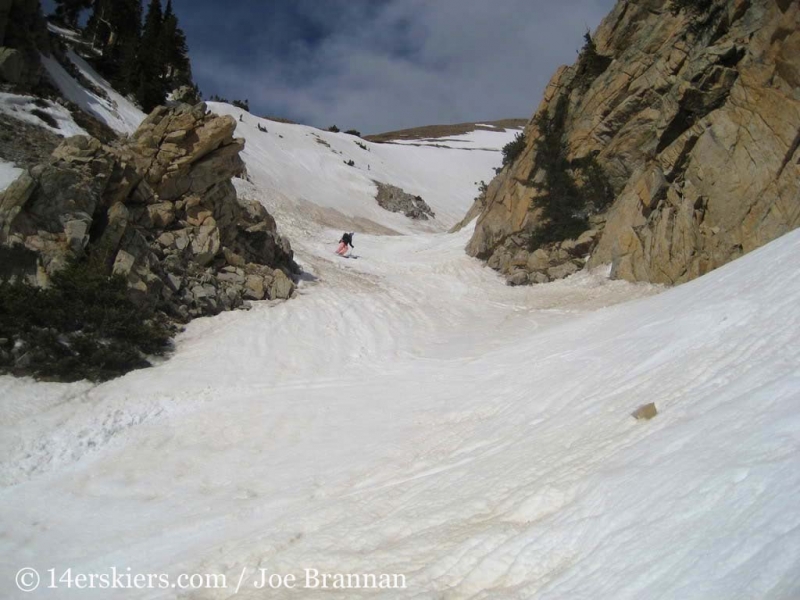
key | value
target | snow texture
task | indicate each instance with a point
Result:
(308, 165)
(8, 173)
(24, 108)
(116, 111)
(408, 413)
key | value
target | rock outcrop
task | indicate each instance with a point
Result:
(394, 199)
(185, 94)
(159, 208)
(25, 144)
(693, 119)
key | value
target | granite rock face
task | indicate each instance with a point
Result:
(695, 121)
(159, 208)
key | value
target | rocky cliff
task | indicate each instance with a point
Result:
(674, 143)
(159, 209)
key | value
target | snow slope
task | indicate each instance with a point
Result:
(24, 108)
(416, 417)
(304, 165)
(408, 413)
(8, 173)
(110, 107)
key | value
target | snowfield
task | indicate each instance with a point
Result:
(299, 168)
(407, 413)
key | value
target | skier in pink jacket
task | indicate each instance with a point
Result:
(344, 243)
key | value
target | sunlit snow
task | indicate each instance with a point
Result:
(409, 413)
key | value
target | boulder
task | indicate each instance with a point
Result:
(161, 214)
(205, 243)
(538, 260)
(394, 199)
(182, 238)
(645, 412)
(233, 259)
(174, 281)
(518, 277)
(538, 278)
(123, 263)
(235, 276)
(196, 214)
(76, 232)
(12, 202)
(281, 287)
(185, 94)
(255, 288)
(563, 270)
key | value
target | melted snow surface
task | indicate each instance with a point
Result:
(408, 413)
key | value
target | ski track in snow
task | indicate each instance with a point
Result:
(408, 413)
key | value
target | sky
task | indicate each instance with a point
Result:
(381, 65)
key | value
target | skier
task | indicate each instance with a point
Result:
(347, 240)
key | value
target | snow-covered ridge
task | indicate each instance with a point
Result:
(306, 165)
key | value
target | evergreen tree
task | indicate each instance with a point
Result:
(151, 88)
(177, 68)
(115, 28)
(569, 189)
(243, 104)
(144, 60)
(513, 149)
(563, 207)
(69, 11)
(591, 64)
